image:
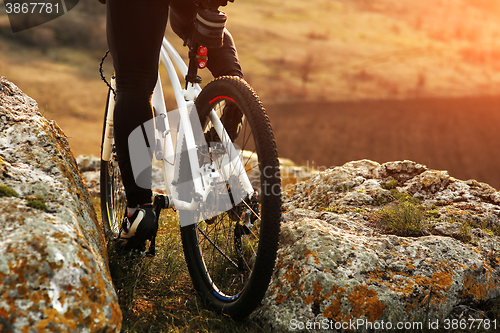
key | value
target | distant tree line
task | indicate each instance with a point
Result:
(83, 27)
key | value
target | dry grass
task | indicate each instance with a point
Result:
(156, 294)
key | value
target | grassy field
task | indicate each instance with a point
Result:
(455, 134)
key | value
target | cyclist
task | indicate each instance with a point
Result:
(135, 30)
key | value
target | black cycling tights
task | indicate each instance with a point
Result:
(135, 30)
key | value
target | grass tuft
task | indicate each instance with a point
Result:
(6, 191)
(37, 202)
(404, 197)
(403, 218)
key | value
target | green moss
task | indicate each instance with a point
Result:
(491, 227)
(489, 231)
(6, 191)
(433, 214)
(403, 218)
(404, 197)
(38, 203)
(488, 226)
(381, 198)
(332, 209)
(464, 232)
(390, 184)
(343, 188)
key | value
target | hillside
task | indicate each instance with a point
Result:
(455, 134)
(373, 67)
(351, 50)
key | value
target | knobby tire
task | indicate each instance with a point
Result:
(211, 271)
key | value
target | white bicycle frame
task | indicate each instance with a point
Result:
(203, 177)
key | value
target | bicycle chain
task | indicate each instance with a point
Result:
(101, 71)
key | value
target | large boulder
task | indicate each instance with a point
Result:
(53, 268)
(372, 246)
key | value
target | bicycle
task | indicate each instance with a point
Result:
(229, 205)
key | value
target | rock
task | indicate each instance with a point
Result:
(291, 174)
(53, 269)
(338, 264)
(88, 163)
(89, 167)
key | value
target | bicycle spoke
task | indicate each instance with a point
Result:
(217, 248)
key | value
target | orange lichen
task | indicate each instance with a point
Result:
(405, 287)
(3, 313)
(292, 275)
(280, 299)
(440, 282)
(317, 288)
(334, 310)
(442, 279)
(479, 287)
(489, 268)
(375, 276)
(25, 274)
(365, 303)
(313, 254)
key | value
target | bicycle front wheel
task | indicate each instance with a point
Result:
(231, 256)
(113, 200)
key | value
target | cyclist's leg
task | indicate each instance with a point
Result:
(135, 30)
(221, 60)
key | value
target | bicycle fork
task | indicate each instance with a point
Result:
(107, 143)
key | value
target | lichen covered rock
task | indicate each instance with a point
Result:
(53, 269)
(338, 263)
